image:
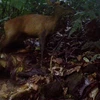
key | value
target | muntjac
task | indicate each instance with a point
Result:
(33, 25)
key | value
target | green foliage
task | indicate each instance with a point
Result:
(85, 10)
(12, 8)
(18, 3)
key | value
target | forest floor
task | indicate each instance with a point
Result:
(70, 70)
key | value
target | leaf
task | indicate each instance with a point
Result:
(4, 19)
(19, 69)
(77, 24)
(86, 59)
(18, 3)
(3, 63)
(96, 56)
(94, 93)
(3, 91)
(58, 60)
(79, 57)
(91, 14)
(22, 90)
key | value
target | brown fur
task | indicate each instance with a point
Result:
(33, 25)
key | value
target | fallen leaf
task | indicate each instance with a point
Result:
(86, 59)
(79, 57)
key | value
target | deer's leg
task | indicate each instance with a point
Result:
(8, 38)
(42, 44)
